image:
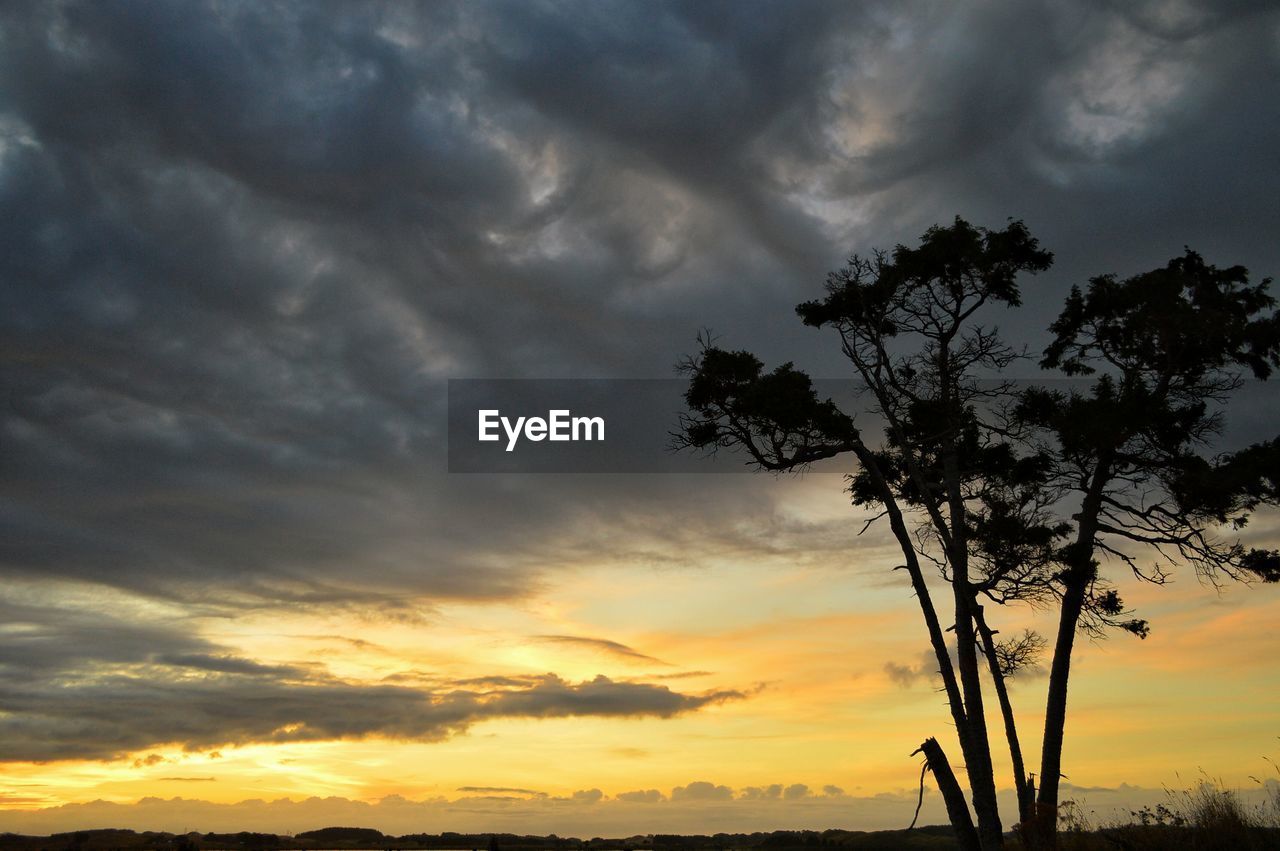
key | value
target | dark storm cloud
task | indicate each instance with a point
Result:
(243, 246)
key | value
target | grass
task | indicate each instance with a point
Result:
(1207, 817)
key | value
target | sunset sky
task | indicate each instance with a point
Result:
(244, 247)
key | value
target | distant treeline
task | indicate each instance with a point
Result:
(939, 837)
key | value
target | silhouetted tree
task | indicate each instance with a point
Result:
(977, 478)
(1166, 347)
(907, 325)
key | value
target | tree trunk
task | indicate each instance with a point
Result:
(952, 795)
(1079, 575)
(1045, 824)
(957, 808)
(977, 755)
(1026, 795)
(977, 750)
(911, 561)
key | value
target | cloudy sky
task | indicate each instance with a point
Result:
(246, 245)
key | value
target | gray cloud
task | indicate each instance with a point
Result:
(796, 791)
(91, 685)
(604, 645)
(761, 793)
(227, 664)
(111, 715)
(45, 641)
(906, 675)
(241, 252)
(501, 790)
(701, 790)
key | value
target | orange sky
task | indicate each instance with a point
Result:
(805, 642)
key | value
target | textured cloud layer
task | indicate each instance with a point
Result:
(77, 685)
(117, 714)
(242, 248)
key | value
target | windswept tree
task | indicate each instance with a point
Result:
(1165, 349)
(981, 481)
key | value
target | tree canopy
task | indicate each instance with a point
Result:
(1016, 493)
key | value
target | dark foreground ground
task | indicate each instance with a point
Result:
(938, 837)
(1136, 837)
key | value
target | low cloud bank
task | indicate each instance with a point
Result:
(697, 807)
(584, 813)
(115, 715)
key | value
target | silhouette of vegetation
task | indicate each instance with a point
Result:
(342, 835)
(923, 839)
(244, 839)
(1018, 495)
(1207, 817)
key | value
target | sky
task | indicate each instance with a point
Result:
(245, 246)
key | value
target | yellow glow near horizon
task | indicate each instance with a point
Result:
(808, 645)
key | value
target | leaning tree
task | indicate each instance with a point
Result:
(980, 479)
